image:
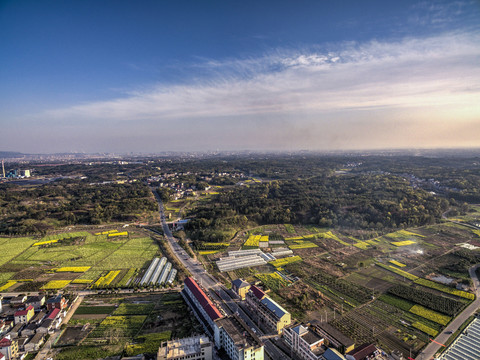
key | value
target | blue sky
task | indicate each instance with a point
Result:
(149, 76)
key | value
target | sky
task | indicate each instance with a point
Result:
(152, 76)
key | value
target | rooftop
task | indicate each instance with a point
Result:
(257, 292)
(274, 307)
(239, 332)
(332, 354)
(184, 347)
(311, 338)
(239, 283)
(24, 312)
(361, 352)
(334, 333)
(203, 299)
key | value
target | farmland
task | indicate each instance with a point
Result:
(76, 259)
(131, 325)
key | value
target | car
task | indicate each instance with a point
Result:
(448, 332)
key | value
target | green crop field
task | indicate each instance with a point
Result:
(89, 257)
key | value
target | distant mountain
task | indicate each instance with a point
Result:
(10, 154)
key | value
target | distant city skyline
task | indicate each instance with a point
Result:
(156, 76)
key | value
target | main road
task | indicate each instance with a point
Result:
(432, 348)
(216, 289)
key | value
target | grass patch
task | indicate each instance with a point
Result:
(88, 310)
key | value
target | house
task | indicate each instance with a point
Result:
(37, 319)
(15, 332)
(21, 341)
(53, 314)
(24, 316)
(18, 301)
(45, 326)
(30, 329)
(304, 342)
(240, 287)
(36, 301)
(35, 343)
(364, 352)
(56, 302)
(8, 347)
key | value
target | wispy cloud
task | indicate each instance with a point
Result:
(423, 73)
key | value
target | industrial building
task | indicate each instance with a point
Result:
(269, 314)
(192, 348)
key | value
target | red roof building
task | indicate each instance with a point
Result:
(365, 351)
(257, 292)
(203, 299)
(53, 314)
(24, 316)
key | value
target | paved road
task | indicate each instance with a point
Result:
(227, 303)
(432, 348)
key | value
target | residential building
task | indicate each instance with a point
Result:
(37, 319)
(269, 314)
(364, 352)
(45, 326)
(240, 287)
(332, 354)
(36, 301)
(203, 308)
(237, 339)
(192, 348)
(18, 301)
(56, 302)
(15, 332)
(24, 316)
(35, 342)
(335, 338)
(29, 330)
(8, 347)
(304, 343)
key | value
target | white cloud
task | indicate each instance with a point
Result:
(413, 73)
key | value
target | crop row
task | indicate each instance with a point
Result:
(124, 233)
(211, 246)
(303, 245)
(398, 271)
(426, 329)
(403, 243)
(253, 240)
(75, 269)
(56, 284)
(272, 281)
(285, 261)
(430, 315)
(352, 290)
(435, 302)
(46, 242)
(445, 289)
(107, 279)
(399, 264)
(124, 281)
